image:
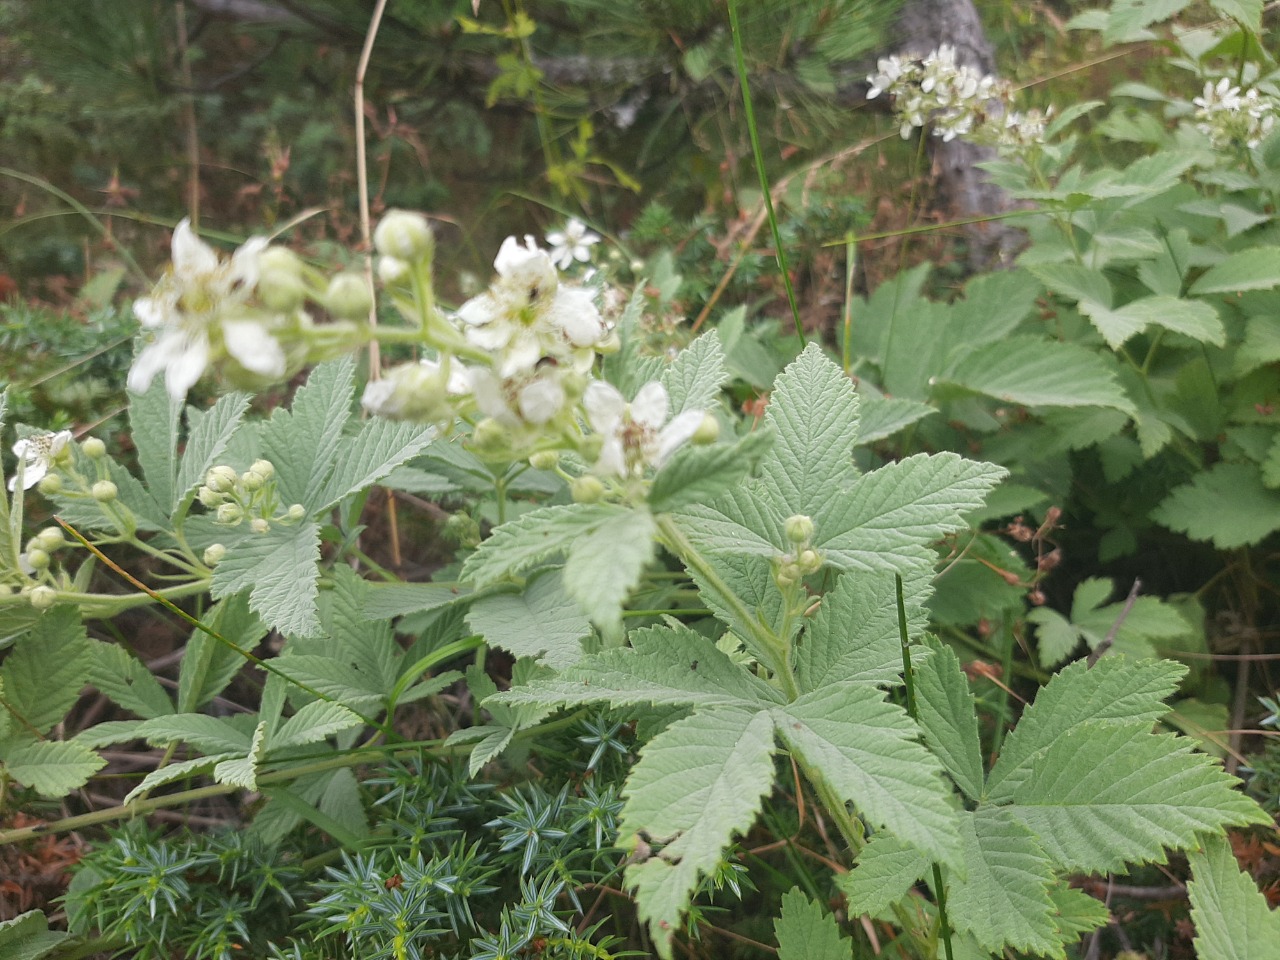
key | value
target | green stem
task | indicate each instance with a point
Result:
(850, 255)
(740, 65)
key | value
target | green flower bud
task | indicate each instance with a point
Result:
(799, 528)
(809, 561)
(209, 497)
(221, 479)
(708, 431)
(590, 447)
(296, 512)
(230, 513)
(50, 485)
(586, 489)
(544, 459)
(259, 525)
(280, 284)
(251, 481)
(6, 590)
(392, 270)
(404, 235)
(609, 345)
(490, 437)
(263, 468)
(94, 448)
(104, 491)
(38, 559)
(213, 555)
(348, 296)
(463, 530)
(43, 597)
(51, 539)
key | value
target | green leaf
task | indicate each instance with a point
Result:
(886, 870)
(1257, 268)
(1110, 794)
(181, 770)
(889, 518)
(243, 772)
(1115, 690)
(86, 513)
(605, 565)
(538, 535)
(1003, 899)
(1075, 282)
(699, 782)
(854, 634)
(1231, 916)
(1056, 637)
(45, 671)
(336, 679)
(385, 601)
(1249, 15)
(362, 460)
(993, 306)
(6, 720)
(279, 569)
(314, 721)
(670, 665)
(1128, 18)
(1192, 318)
(694, 378)
(814, 410)
(210, 432)
(807, 932)
(369, 646)
(1261, 344)
(491, 739)
(948, 717)
(53, 768)
(28, 937)
(750, 579)
(1075, 912)
(698, 474)
(303, 443)
(1228, 505)
(126, 680)
(881, 417)
(1038, 372)
(209, 735)
(153, 425)
(866, 749)
(209, 664)
(542, 622)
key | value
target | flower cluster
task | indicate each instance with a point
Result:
(955, 100)
(1230, 118)
(36, 454)
(236, 497)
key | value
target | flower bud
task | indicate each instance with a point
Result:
(51, 539)
(209, 497)
(259, 525)
(392, 270)
(38, 559)
(251, 481)
(489, 436)
(403, 235)
(296, 512)
(610, 344)
(43, 597)
(708, 431)
(348, 296)
(104, 491)
(50, 485)
(280, 284)
(586, 489)
(809, 561)
(463, 530)
(5, 590)
(221, 479)
(799, 528)
(544, 460)
(263, 468)
(230, 513)
(94, 448)
(213, 555)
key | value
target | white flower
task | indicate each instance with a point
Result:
(527, 315)
(1229, 118)
(528, 398)
(417, 391)
(37, 453)
(636, 435)
(572, 243)
(198, 309)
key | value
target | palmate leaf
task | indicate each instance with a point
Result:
(694, 378)
(750, 579)
(1003, 899)
(948, 717)
(698, 474)
(53, 768)
(605, 564)
(1231, 916)
(540, 622)
(886, 870)
(1111, 794)
(696, 785)
(1228, 505)
(538, 535)
(865, 748)
(807, 932)
(303, 442)
(44, 673)
(279, 569)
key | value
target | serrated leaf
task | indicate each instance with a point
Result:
(362, 460)
(1003, 900)
(948, 717)
(1247, 12)
(694, 378)
(698, 474)
(210, 432)
(85, 513)
(44, 673)
(696, 785)
(1231, 916)
(335, 679)
(854, 633)
(1038, 372)
(807, 932)
(153, 425)
(314, 721)
(1228, 505)
(126, 680)
(243, 772)
(1056, 637)
(53, 768)
(6, 720)
(886, 870)
(176, 771)
(541, 622)
(303, 442)
(368, 645)
(881, 417)
(516, 546)
(814, 410)
(750, 579)
(208, 664)
(865, 748)
(605, 565)
(1115, 690)
(1075, 282)
(279, 569)
(996, 303)
(1192, 318)
(1111, 794)
(1261, 344)
(385, 601)
(1128, 18)
(670, 665)
(111, 731)
(491, 739)
(209, 735)
(28, 937)
(1257, 268)
(1075, 912)
(889, 518)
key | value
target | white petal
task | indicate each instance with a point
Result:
(604, 406)
(153, 359)
(650, 405)
(613, 461)
(513, 256)
(253, 347)
(541, 400)
(376, 396)
(191, 255)
(149, 312)
(188, 358)
(575, 313)
(521, 355)
(21, 447)
(677, 433)
(59, 442)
